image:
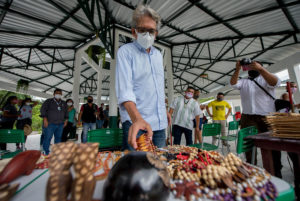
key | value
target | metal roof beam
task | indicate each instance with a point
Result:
(53, 57)
(191, 84)
(42, 21)
(59, 25)
(272, 46)
(62, 80)
(27, 78)
(213, 15)
(6, 5)
(236, 18)
(189, 62)
(202, 78)
(36, 64)
(36, 46)
(198, 67)
(68, 14)
(229, 60)
(287, 15)
(37, 35)
(183, 10)
(21, 60)
(242, 37)
(220, 57)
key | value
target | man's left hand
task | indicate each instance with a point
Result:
(65, 123)
(169, 118)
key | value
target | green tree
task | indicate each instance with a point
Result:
(36, 119)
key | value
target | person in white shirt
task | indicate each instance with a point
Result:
(185, 109)
(256, 103)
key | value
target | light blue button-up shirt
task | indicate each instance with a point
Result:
(140, 79)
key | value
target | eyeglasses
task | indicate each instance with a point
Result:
(145, 30)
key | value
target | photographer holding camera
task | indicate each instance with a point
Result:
(256, 103)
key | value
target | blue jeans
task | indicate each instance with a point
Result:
(86, 128)
(177, 132)
(55, 129)
(159, 137)
(99, 123)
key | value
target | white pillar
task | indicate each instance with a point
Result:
(168, 63)
(113, 103)
(76, 79)
(99, 84)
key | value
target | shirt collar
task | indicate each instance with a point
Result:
(143, 49)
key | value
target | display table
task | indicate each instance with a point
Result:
(267, 143)
(33, 187)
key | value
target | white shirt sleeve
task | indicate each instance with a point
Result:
(197, 110)
(238, 85)
(124, 83)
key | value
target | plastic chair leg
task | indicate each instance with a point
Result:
(253, 155)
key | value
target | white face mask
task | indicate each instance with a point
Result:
(57, 96)
(27, 103)
(69, 104)
(189, 95)
(293, 90)
(146, 40)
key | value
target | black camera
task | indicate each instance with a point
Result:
(245, 61)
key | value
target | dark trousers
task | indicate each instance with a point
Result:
(259, 123)
(69, 129)
(177, 132)
(6, 125)
(20, 125)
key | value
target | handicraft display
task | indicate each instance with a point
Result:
(197, 173)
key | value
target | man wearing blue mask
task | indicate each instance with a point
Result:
(140, 82)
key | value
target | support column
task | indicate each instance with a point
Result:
(99, 84)
(113, 103)
(168, 60)
(76, 81)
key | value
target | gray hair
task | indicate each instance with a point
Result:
(145, 10)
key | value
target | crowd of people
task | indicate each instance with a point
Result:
(59, 118)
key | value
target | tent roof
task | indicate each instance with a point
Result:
(38, 39)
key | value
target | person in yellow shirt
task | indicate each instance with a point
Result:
(219, 114)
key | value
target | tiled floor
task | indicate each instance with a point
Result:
(33, 143)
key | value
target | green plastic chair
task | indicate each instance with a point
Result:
(108, 138)
(288, 195)
(11, 136)
(213, 129)
(233, 128)
(244, 145)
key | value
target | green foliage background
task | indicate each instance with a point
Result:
(36, 119)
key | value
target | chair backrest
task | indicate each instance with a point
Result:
(244, 145)
(211, 129)
(12, 136)
(233, 125)
(106, 137)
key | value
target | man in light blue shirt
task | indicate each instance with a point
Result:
(140, 82)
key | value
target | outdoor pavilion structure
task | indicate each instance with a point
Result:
(44, 42)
